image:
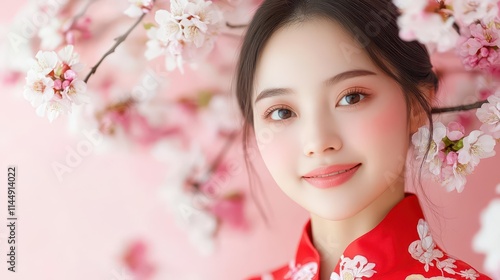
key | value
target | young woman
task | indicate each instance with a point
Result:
(332, 96)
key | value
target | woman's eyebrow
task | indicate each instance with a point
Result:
(331, 81)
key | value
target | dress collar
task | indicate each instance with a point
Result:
(386, 244)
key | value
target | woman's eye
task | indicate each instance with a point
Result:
(280, 114)
(351, 99)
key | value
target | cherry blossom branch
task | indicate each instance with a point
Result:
(458, 108)
(215, 164)
(118, 40)
(82, 12)
(222, 152)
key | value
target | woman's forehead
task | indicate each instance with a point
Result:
(313, 50)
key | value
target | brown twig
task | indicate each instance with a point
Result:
(118, 40)
(236, 25)
(82, 12)
(458, 108)
(222, 152)
(215, 164)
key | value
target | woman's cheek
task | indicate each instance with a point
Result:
(387, 122)
(277, 150)
(385, 137)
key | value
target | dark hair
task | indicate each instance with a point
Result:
(373, 23)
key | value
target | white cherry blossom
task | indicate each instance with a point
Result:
(477, 146)
(138, 7)
(76, 92)
(45, 62)
(53, 108)
(486, 239)
(50, 35)
(450, 163)
(187, 205)
(454, 177)
(38, 88)
(185, 33)
(412, 7)
(420, 141)
(415, 23)
(68, 56)
(489, 115)
(468, 11)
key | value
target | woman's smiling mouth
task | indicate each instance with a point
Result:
(331, 176)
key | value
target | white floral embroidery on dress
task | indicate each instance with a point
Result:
(302, 272)
(425, 251)
(421, 277)
(354, 269)
(469, 274)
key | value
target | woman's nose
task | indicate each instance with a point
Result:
(320, 138)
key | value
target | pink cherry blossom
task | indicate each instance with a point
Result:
(470, 47)
(69, 75)
(455, 131)
(185, 167)
(53, 85)
(137, 261)
(64, 31)
(230, 210)
(10, 78)
(480, 49)
(485, 35)
(451, 158)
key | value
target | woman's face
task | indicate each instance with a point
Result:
(318, 101)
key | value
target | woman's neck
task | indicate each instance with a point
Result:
(331, 238)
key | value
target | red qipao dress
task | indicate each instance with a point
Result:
(399, 247)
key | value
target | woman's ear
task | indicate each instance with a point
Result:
(418, 117)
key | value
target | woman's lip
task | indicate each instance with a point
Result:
(332, 181)
(322, 171)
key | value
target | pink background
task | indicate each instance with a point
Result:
(80, 228)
